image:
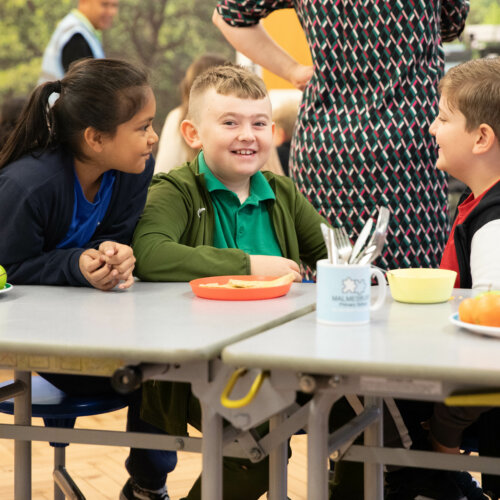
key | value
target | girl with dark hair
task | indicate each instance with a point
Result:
(74, 177)
(73, 182)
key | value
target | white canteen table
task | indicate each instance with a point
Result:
(81, 330)
(407, 351)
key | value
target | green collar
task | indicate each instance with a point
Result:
(260, 189)
(84, 19)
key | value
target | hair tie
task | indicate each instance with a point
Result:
(54, 87)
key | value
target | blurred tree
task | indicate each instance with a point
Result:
(26, 26)
(484, 12)
(164, 35)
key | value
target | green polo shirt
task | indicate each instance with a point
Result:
(246, 225)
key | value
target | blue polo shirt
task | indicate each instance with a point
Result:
(246, 225)
(87, 215)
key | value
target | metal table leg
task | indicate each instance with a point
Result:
(211, 449)
(317, 446)
(374, 472)
(22, 449)
(278, 458)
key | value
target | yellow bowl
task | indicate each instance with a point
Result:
(421, 286)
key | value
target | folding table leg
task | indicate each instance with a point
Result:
(211, 449)
(374, 472)
(278, 458)
(22, 449)
(317, 445)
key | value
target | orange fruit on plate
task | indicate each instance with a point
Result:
(467, 310)
(487, 309)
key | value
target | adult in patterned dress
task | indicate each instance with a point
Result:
(362, 137)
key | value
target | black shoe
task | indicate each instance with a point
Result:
(468, 485)
(132, 491)
(409, 483)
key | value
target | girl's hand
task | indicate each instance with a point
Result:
(96, 271)
(122, 261)
(269, 265)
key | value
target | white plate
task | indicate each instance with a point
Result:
(493, 331)
(7, 288)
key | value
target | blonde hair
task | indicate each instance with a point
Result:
(474, 89)
(198, 66)
(229, 79)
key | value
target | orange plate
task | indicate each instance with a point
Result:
(237, 293)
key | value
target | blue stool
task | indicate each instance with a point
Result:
(59, 410)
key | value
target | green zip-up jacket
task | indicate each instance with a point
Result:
(173, 241)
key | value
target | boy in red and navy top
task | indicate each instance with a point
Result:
(467, 132)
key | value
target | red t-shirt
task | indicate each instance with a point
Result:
(449, 259)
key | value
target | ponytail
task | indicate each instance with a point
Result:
(97, 93)
(35, 128)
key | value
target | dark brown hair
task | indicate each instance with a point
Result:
(98, 93)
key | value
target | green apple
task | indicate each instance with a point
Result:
(3, 277)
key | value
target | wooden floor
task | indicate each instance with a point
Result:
(99, 471)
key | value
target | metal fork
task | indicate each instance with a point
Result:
(344, 247)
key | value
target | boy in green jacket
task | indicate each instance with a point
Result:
(219, 215)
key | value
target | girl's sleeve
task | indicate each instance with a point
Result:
(453, 16)
(22, 243)
(249, 12)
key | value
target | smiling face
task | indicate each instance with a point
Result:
(454, 142)
(236, 134)
(99, 12)
(129, 148)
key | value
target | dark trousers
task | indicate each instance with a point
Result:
(149, 468)
(482, 436)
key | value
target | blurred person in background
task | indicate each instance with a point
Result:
(172, 149)
(77, 36)
(284, 118)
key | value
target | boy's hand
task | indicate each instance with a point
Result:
(122, 261)
(96, 271)
(269, 265)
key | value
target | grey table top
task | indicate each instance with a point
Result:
(151, 322)
(402, 340)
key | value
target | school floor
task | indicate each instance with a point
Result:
(99, 471)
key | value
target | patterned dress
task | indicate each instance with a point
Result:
(362, 137)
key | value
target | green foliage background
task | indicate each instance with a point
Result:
(163, 35)
(484, 12)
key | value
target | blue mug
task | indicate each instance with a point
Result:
(343, 293)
